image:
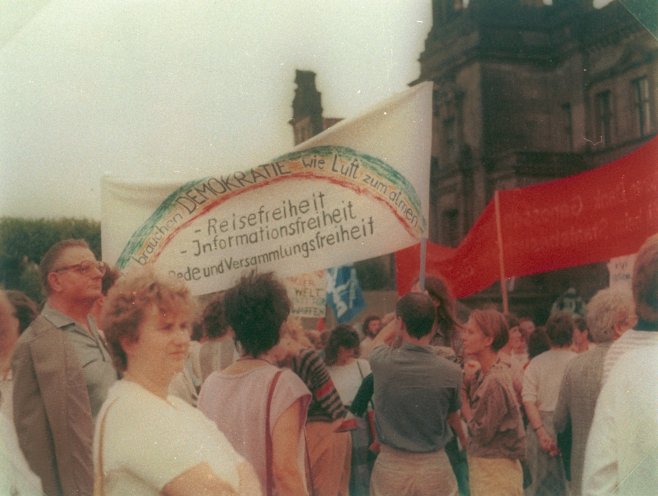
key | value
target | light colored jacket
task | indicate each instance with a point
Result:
(52, 414)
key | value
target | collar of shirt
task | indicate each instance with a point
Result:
(416, 347)
(64, 322)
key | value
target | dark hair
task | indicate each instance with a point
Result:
(582, 326)
(559, 328)
(197, 331)
(492, 324)
(256, 308)
(213, 319)
(110, 277)
(366, 323)
(343, 335)
(417, 312)
(441, 294)
(131, 298)
(51, 257)
(26, 308)
(645, 280)
(538, 342)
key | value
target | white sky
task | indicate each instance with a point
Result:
(151, 87)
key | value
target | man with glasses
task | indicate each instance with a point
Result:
(62, 372)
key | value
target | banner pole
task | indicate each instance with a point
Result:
(501, 255)
(423, 259)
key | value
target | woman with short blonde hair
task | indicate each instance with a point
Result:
(147, 442)
(497, 442)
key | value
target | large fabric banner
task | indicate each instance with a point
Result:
(591, 217)
(470, 268)
(356, 191)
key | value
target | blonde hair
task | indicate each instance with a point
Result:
(129, 301)
(606, 309)
(493, 325)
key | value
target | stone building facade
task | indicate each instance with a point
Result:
(527, 92)
(524, 93)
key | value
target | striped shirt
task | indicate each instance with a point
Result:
(326, 405)
(630, 340)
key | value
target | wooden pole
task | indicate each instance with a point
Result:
(423, 260)
(501, 254)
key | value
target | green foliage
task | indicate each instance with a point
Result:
(24, 241)
(30, 282)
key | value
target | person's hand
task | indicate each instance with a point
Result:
(547, 443)
(470, 368)
(387, 318)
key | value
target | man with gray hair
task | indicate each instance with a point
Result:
(622, 448)
(62, 372)
(610, 313)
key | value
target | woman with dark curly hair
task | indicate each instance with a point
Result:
(261, 408)
(347, 371)
(372, 324)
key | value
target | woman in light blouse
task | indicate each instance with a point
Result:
(497, 440)
(146, 441)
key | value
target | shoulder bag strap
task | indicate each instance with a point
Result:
(359, 366)
(268, 436)
(99, 475)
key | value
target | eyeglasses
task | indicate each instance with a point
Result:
(85, 267)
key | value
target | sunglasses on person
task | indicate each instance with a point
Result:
(85, 267)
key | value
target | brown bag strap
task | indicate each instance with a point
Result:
(99, 476)
(268, 435)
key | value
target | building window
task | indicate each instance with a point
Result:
(642, 105)
(567, 125)
(450, 227)
(604, 116)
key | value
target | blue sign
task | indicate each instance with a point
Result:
(344, 294)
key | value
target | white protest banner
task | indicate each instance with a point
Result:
(308, 294)
(356, 191)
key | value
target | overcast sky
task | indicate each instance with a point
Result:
(151, 87)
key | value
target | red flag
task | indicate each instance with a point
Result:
(590, 217)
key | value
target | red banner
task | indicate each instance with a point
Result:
(590, 217)
(470, 268)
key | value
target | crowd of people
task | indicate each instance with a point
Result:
(122, 385)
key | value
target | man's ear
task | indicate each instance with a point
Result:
(127, 344)
(54, 282)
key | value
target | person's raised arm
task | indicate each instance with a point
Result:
(388, 333)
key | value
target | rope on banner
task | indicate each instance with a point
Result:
(501, 255)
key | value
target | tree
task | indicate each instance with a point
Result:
(24, 241)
